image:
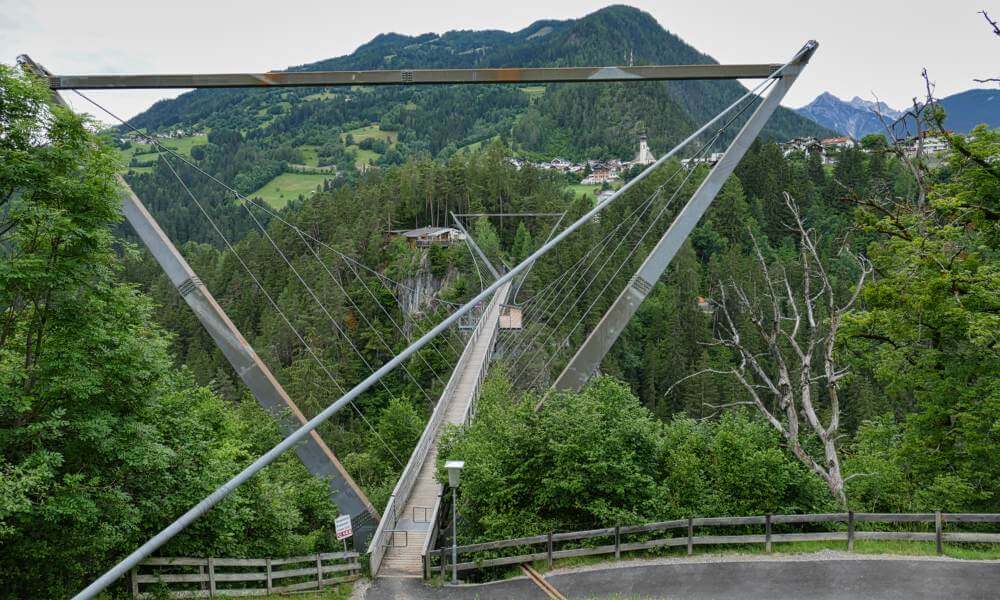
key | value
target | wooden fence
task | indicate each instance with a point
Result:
(849, 526)
(211, 577)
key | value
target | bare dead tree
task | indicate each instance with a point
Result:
(996, 32)
(786, 357)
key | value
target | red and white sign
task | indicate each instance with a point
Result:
(343, 525)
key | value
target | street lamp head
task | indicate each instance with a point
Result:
(454, 468)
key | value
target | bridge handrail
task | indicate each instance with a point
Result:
(377, 547)
(687, 537)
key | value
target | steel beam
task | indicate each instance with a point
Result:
(313, 451)
(411, 77)
(589, 356)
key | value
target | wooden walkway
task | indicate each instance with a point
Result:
(403, 558)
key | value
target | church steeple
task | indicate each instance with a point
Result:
(645, 156)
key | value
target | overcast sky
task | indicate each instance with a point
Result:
(866, 46)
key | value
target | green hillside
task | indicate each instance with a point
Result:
(573, 120)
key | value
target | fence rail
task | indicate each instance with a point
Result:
(544, 546)
(180, 577)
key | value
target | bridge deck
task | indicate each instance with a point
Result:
(405, 560)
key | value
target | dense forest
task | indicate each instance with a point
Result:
(117, 412)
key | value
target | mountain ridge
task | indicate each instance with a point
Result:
(856, 118)
(600, 121)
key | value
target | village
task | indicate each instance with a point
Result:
(828, 149)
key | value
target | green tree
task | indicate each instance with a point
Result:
(523, 244)
(931, 324)
(102, 441)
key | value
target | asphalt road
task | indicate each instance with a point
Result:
(846, 579)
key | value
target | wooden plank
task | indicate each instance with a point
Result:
(650, 527)
(690, 547)
(971, 517)
(984, 538)
(270, 582)
(240, 576)
(618, 544)
(702, 540)
(548, 549)
(650, 544)
(767, 535)
(895, 517)
(211, 577)
(810, 518)
(240, 562)
(727, 521)
(340, 568)
(171, 578)
(285, 573)
(609, 549)
(339, 555)
(184, 594)
(525, 541)
(850, 531)
(823, 536)
(499, 562)
(135, 583)
(294, 587)
(906, 536)
(161, 561)
(583, 535)
(292, 560)
(937, 532)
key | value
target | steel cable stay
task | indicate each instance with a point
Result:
(312, 293)
(594, 253)
(368, 322)
(393, 320)
(347, 259)
(577, 296)
(690, 172)
(560, 294)
(239, 196)
(704, 150)
(309, 349)
(302, 233)
(183, 521)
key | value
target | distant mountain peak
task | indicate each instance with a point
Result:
(857, 117)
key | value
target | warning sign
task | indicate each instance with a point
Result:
(343, 524)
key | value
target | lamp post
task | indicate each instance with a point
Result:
(454, 468)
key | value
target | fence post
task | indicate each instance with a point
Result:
(211, 577)
(135, 582)
(549, 546)
(850, 531)
(444, 557)
(767, 532)
(270, 582)
(201, 571)
(938, 526)
(319, 572)
(618, 542)
(690, 536)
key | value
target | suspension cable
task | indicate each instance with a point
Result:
(275, 306)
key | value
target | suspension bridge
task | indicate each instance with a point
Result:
(649, 233)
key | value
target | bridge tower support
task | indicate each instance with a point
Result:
(590, 354)
(313, 451)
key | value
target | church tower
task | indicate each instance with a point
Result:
(644, 157)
